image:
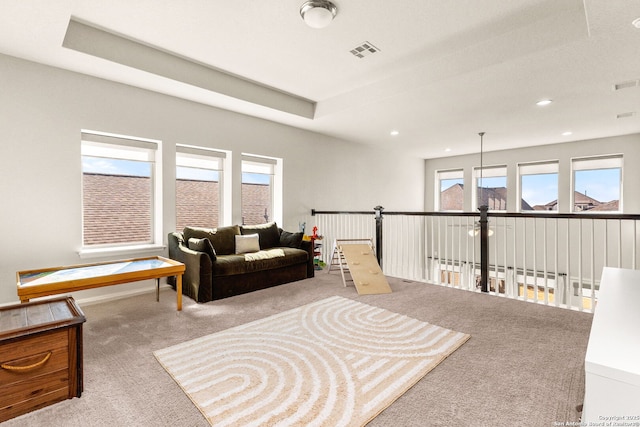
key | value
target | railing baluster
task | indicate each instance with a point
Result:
(496, 279)
(634, 245)
(446, 254)
(535, 260)
(580, 266)
(619, 243)
(556, 294)
(524, 260)
(469, 257)
(544, 263)
(593, 268)
(568, 294)
(515, 258)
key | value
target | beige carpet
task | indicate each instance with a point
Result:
(334, 362)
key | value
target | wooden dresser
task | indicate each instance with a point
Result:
(40, 355)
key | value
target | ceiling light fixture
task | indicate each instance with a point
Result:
(318, 13)
(636, 23)
(544, 102)
(394, 133)
(567, 133)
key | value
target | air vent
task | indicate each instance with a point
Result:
(365, 49)
(625, 115)
(626, 85)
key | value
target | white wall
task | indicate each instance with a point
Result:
(628, 145)
(43, 109)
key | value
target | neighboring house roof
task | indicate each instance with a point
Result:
(611, 206)
(525, 206)
(580, 198)
(117, 209)
(582, 202)
(541, 208)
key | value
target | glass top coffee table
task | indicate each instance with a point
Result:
(59, 280)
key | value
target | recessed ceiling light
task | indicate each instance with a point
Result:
(544, 102)
(636, 23)
(447, 149)
(394, 133)
(567, 133)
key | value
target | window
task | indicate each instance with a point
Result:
(491, 187)
(199, 187)
(121, 199)
(261, 189)
(450, 190)
(597, 184)
(538, 186)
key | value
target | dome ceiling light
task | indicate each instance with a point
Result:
(318, 13)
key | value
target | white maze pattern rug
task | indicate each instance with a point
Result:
(335, 362)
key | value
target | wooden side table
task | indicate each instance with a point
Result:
(40, 355)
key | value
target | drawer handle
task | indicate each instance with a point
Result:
(28, 367)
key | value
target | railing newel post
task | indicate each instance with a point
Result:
(378, 210)
(484, 248)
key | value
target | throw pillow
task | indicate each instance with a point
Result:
(202, 245)
(269, 234)
(290, 240)
(247, 243)
(221, 238)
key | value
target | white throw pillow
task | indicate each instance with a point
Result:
(247, 243)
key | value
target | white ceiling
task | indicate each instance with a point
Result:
(446, 70)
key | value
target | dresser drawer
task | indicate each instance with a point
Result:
(31, 347)
(34, 370)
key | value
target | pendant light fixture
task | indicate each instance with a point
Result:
(483, 208)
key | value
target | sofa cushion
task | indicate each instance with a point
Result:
(222, 238)
(290, 240)
(247, 243)
(269, 234)
(237, 264)
(266, 254)
(202, 245)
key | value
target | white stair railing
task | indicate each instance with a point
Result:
(551, 259)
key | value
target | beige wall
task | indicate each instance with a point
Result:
(43, 109)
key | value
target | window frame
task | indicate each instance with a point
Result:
(447, 174)
(124, 147)
(489, 172)
(195, 157)
(274, 165)
(545, 167)
(600, 162)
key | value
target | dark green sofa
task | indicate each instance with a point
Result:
(215, 271)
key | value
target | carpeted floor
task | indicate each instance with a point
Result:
(523, 366)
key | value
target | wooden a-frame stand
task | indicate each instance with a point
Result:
(356, 257)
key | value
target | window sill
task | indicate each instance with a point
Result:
(118, 250)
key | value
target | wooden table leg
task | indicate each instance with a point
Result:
(158, 289)
(179, 291)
